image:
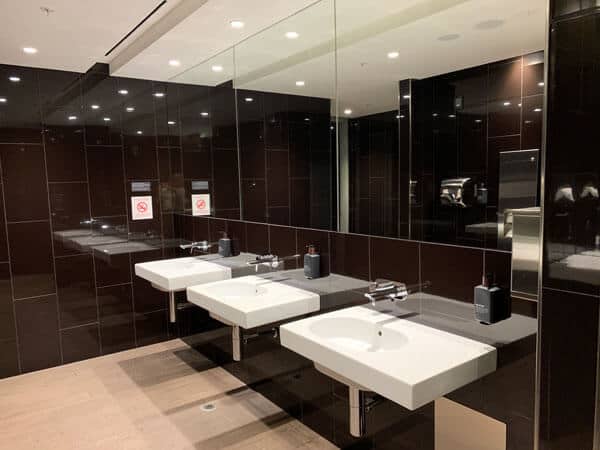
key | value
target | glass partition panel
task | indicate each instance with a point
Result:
(285, 84)
(209, 137)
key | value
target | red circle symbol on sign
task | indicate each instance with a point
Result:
(142, 207)
(200, 204)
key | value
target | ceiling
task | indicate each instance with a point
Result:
(430, 36)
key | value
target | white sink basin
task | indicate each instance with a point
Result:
(253, 301)
(179, 273)
(406, 362)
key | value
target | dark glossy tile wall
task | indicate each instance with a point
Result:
(70, 147)
(571, 294)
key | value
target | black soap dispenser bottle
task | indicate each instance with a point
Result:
(225, 245)
(492, 303)
(312, 263)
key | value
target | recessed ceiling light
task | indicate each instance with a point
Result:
(204, 113)
(398, 116)
(217, 68)
(292, 35)
(130, 109)
(448, 37)
(72, 117)
(393, 55)
(174, 63)
(506, 103)
(30, 50)
(14, 79)
(236, 24)
(95, 106)
(159, 94)
(537, 110)
(171, 122)
(139, 132)
(541, 83)
(123, 91)
(106, 119)
(300, 83)
(348, 111)
(249, 99)
(2, 100)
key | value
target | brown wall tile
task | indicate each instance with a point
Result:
(350, 255)
(395, 260)
(116, 318)
(80, 343)
(76, 290)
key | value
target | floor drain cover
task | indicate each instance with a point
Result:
(208, 407)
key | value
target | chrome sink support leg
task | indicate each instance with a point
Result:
(357, 411)
(236, 339)
(172, 314)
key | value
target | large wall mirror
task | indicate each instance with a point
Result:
(440, 117)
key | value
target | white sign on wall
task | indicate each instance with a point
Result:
(200, 204)
(141, 207)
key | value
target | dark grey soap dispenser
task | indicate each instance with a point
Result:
(492, 303)
(312, 263)
(225, 245)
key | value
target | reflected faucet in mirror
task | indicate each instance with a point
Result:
(203, 246)
(270, 260)
(387, 290)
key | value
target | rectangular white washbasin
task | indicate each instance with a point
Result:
(179, 273)
(253, 301)
(406, 362)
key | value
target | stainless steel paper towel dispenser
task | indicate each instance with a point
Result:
(525, 252)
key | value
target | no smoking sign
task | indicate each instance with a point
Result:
(141, 208)
(201, 204)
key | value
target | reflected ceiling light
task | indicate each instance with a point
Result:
(236, 24)
(292, 35)
(30, 50)
(449, 37)
(139, 132)
(489, 24)
(520, 104)
(434, 115)
(106, 119)
(159, 94)
(393, 55)
(397, 116)
(406, 97)
(507, 103)
(537, 110)
(217, 68)
(95, 106)
(306, 119)
(401, 116)
(14, 79)
(300, 83)
(478, 120)
(171, 122)
(2, 100)
(541, 83)
(174, 63)
(204, 113)
(452, 116)
(348, 111)
(72, 117)
(130, 109)
(123, 91)
(249, 99)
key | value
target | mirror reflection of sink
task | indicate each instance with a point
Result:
(359, 335)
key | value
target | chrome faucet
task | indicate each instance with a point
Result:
(270, 260)
(203, 246)
(386, 290)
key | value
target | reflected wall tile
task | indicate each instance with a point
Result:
(116, 318)
(498, 264)
(201, 229)
(65, 151)
(31, 259)
(504, 117)
(76, 290)
(237, 233)
(102, 112)
(70, 209)
(451, 271)
(276, 121)
(80, 343)
(151, 327)
(278, 179)
(141, 161)
(282, 240)
(532, 122)
(279, 215)
(24, 176)
(9, 364)
(20, 116)
(216, 229)
(226, 193)
(505, 80)
(495, 147)
(112, 270)
(37, 328)
(107, 181)
(197, 164)
(254, 200)
(3, 240)
(257, 238)
(350, 255)
(395, 260)
(320, 239)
